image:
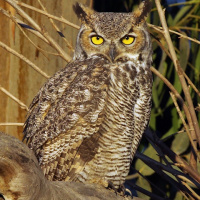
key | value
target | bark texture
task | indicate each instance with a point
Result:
(22, 179)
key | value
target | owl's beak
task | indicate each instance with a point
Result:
(112, 52)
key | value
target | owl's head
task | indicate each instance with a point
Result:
(115, 36)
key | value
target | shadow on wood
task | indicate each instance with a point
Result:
(22, 179)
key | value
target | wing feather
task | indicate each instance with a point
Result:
(67, 110)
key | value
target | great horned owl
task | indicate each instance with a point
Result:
(86, 122)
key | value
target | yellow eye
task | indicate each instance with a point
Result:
(128, 39)
(97, 40)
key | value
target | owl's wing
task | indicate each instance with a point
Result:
(67, 110)
(47, 95)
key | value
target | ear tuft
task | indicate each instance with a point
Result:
(141, 13)
(83, 12)
(78, 9)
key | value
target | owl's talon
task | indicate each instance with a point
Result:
(121, 190)
(111, 186)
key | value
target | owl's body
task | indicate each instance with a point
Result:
(86, 122)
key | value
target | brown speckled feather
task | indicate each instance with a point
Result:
(86, 122)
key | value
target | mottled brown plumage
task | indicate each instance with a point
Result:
(86, 122)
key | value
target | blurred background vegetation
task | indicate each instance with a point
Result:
(182, 17)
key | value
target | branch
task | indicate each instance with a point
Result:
(193, 143)
(192, 85)
(179, 98)
(160, 169)
(51, 41)
(21, 178)
(7, 48)
(22, 105)
(11, 124)
(178, 69)
(47, 14)
(181, 163)
(56, 27)
(20, 22)
(160, 29)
